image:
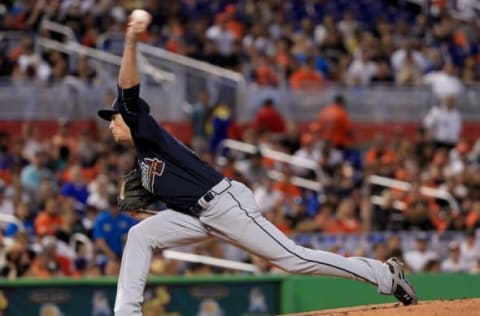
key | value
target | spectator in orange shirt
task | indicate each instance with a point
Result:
(63, 139)
(306, 77)
(176, 32)
(39, 268)
(49, 263)
(264, 73)
(333, 124)
(268, 119)
(380, 157)
(48, 221)
(6, 156)
(228, 169)
(278, 219)
(345, 220)
(282, 56)
(233, 24)
(473, 218)
(289, 190)
(26, 41)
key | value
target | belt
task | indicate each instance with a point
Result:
(215, 191)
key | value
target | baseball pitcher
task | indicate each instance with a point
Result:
(203, 204)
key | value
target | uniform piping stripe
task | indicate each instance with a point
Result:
(293, 253)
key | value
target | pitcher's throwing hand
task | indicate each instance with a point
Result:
(139, 20)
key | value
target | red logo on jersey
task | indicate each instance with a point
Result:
(150, 169)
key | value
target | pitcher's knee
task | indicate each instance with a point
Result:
(293, 269)
(294, 266)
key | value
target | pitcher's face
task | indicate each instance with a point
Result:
(120, 130)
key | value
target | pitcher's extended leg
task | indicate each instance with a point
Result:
(164, 230)
(245, 226)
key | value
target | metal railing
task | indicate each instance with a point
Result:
(187, 75)
(58, 28)
(305, 108)
(193, 76)
(216, 262)
(373, 103)
(300, 182)
(316, 185)
(10, 39)
(198, 73)
(406, 186)
(264, 151)
(75, 48)
(178, 80)
(221, 73)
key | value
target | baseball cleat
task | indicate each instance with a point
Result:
(401, 288)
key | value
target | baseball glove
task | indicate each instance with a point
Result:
(133, 196)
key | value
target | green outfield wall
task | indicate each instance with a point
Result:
(233, 295)
(306, 293)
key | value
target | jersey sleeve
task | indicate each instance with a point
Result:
(128, 101)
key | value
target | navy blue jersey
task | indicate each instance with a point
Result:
(169, 169)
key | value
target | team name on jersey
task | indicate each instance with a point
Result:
(151, 167)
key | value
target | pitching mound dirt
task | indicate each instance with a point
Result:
(466, 307)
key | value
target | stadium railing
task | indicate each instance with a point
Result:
(193, 76)
(75, 48)
(68, 32)
(277, 156)
(364, 105)
(406, 186)
(187, 77)
(224, 85)
(316, 186)
(10, 39)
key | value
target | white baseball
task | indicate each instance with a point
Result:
(138, 15)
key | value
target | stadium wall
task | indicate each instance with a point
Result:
(235, 295)
(307, 294)
(364, 131)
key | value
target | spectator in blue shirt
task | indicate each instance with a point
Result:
(110, 230)
(5, 156)
(33, 174)
(24, 215)
(76, 188)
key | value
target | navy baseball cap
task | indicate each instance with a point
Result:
(107, 114)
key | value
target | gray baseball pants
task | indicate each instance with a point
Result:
(232, 216)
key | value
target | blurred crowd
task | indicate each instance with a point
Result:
(302, 44)
(63, 190)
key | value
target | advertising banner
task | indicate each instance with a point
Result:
(185, 299)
